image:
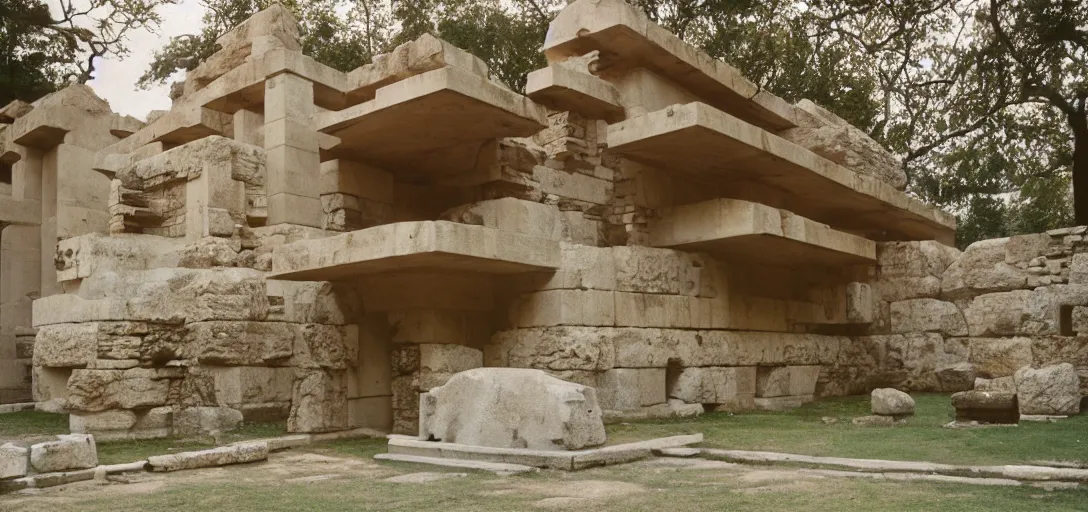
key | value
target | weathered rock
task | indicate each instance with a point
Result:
(319, 403)
(1003, 384)
(206, 420)
(100, 390)
(981, 269)
(66, 345)
(240, 453)
(1053, 390)
(731, 388)
(986, 407)
(999, 357)
(957, 377)
(927, 315)
(14, 461)
(69, 451)
(1020, 312)
(891, 402)
(88, 423)
(512, 408)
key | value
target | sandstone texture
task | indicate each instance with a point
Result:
(1053, 390)
(68, 452)
(512, 408)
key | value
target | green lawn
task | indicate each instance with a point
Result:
(23, 423)
(802, 431)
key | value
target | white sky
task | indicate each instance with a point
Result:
(115, 79)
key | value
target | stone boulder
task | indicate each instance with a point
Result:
(1054, 390)
(892, 402)
(986, 407)
(206, 420)
(1003, 384)
(512, 408)
(956, 377)
(68, 452)
(13, 461)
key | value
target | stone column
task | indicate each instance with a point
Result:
(20, 267)
(291, 149)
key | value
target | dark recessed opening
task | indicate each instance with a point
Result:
(5, 173)
(1065, 321)
(672, 374)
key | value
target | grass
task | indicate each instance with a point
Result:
(32, 423)
(802, 431)
(122, 451)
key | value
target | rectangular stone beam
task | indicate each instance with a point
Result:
(21, 212)
(560, 88)
(732, 229)
(703, 141)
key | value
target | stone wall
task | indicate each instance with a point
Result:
(1000, 305)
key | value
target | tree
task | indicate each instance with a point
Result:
(42, 51)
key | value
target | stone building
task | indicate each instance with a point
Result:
(294, 242)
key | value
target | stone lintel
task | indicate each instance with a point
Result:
(741, 230)
(434, 245)
(560, 88)
(703, 141)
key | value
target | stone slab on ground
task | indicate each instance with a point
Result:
(986, 407)
(563, 460)
(224, 455)
(499, 468)
(68, 452)
(14, 461)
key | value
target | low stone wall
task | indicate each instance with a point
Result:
(1000, 305)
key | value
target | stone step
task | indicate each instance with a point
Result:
(499, 468)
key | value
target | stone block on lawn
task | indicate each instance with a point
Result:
(1053, 390)
(986, 407)
(512, 408)
(206, 420)
(68, 452)
(14, 461)
(240, 453)
(892, 402)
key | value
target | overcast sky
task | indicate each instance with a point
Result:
(115, 80)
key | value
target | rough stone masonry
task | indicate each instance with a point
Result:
(293, 242)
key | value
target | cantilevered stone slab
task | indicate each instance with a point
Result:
(13, 211)
(432, 124)
(565, 89)
(626, 38)
(733, 229)
(420, 245)
(701, 140)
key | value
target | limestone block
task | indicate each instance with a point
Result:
(241, 343)
(314, 302)
(651, 270)
(565, 307)
(1078, 269)
(1024, 248)
(847, 146)
(859, 303)
(891, 402)
(66, 345)
(357, 179)
(319, 403)
(1080, 320)
(657, 310)
(512, 408)
(555, 348)
(986, 407)
(630, 388)
(511, 214)
(193, 421)
(982, 269)
(927, 315)
(777, 381)
(439, 362)
(581, 268)
(957, 377)
(1020, 312)
(1053, 390)
(999, 357)
(732, 388)
(1002, 384)
(101, 390)
(68, 452)
(325, 346)
(240, 453)
(238, 385)
(210, 252)
(14, 461)
(90, 423)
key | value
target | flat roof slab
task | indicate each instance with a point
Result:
(420, 245)
(734, 229)
(703, 141)
(563, 89)
(432, 124)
